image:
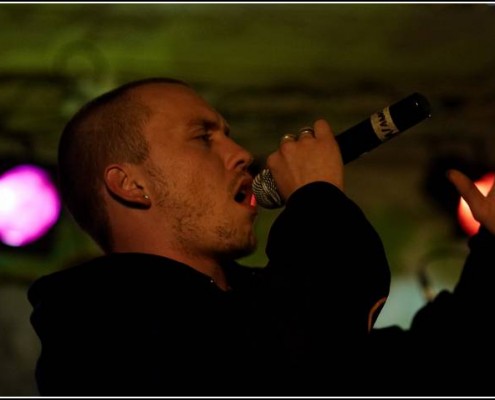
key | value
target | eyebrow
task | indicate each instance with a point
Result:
(210, 125)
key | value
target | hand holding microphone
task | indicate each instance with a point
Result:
(309, 156)
(361, 138)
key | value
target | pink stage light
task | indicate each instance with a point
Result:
(29, 205)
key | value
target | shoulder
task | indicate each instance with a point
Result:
(121, 273)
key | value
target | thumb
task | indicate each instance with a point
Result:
(466, 188)
(482, 208)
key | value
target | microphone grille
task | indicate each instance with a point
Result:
(265, 190)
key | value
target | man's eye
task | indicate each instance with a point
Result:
(205, 138)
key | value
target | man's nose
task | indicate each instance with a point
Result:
(239, 157)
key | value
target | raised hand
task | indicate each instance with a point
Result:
(482, 207)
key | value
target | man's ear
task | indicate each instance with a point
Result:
(123, 184)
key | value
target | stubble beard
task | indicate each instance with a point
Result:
(200, 228)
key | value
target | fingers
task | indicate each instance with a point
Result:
(482, 208)
(466, 188)
(310, 155)
(288, 137)
(321, 129)
(306, 132)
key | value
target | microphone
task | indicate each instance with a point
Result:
(379, 128)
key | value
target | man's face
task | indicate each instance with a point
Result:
(198, 174)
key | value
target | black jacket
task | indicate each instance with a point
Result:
(144, 325)
(449, 349)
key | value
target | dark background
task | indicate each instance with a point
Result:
(270, 69)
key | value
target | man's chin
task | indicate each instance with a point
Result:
(241, 252)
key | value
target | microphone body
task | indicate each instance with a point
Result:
(379, 128)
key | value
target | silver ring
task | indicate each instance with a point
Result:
(307, 130)
(288, 137)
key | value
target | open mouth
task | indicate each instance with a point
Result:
(240, 196)
(244, 194)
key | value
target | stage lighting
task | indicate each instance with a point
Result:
(30, 204)
(464, 214)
